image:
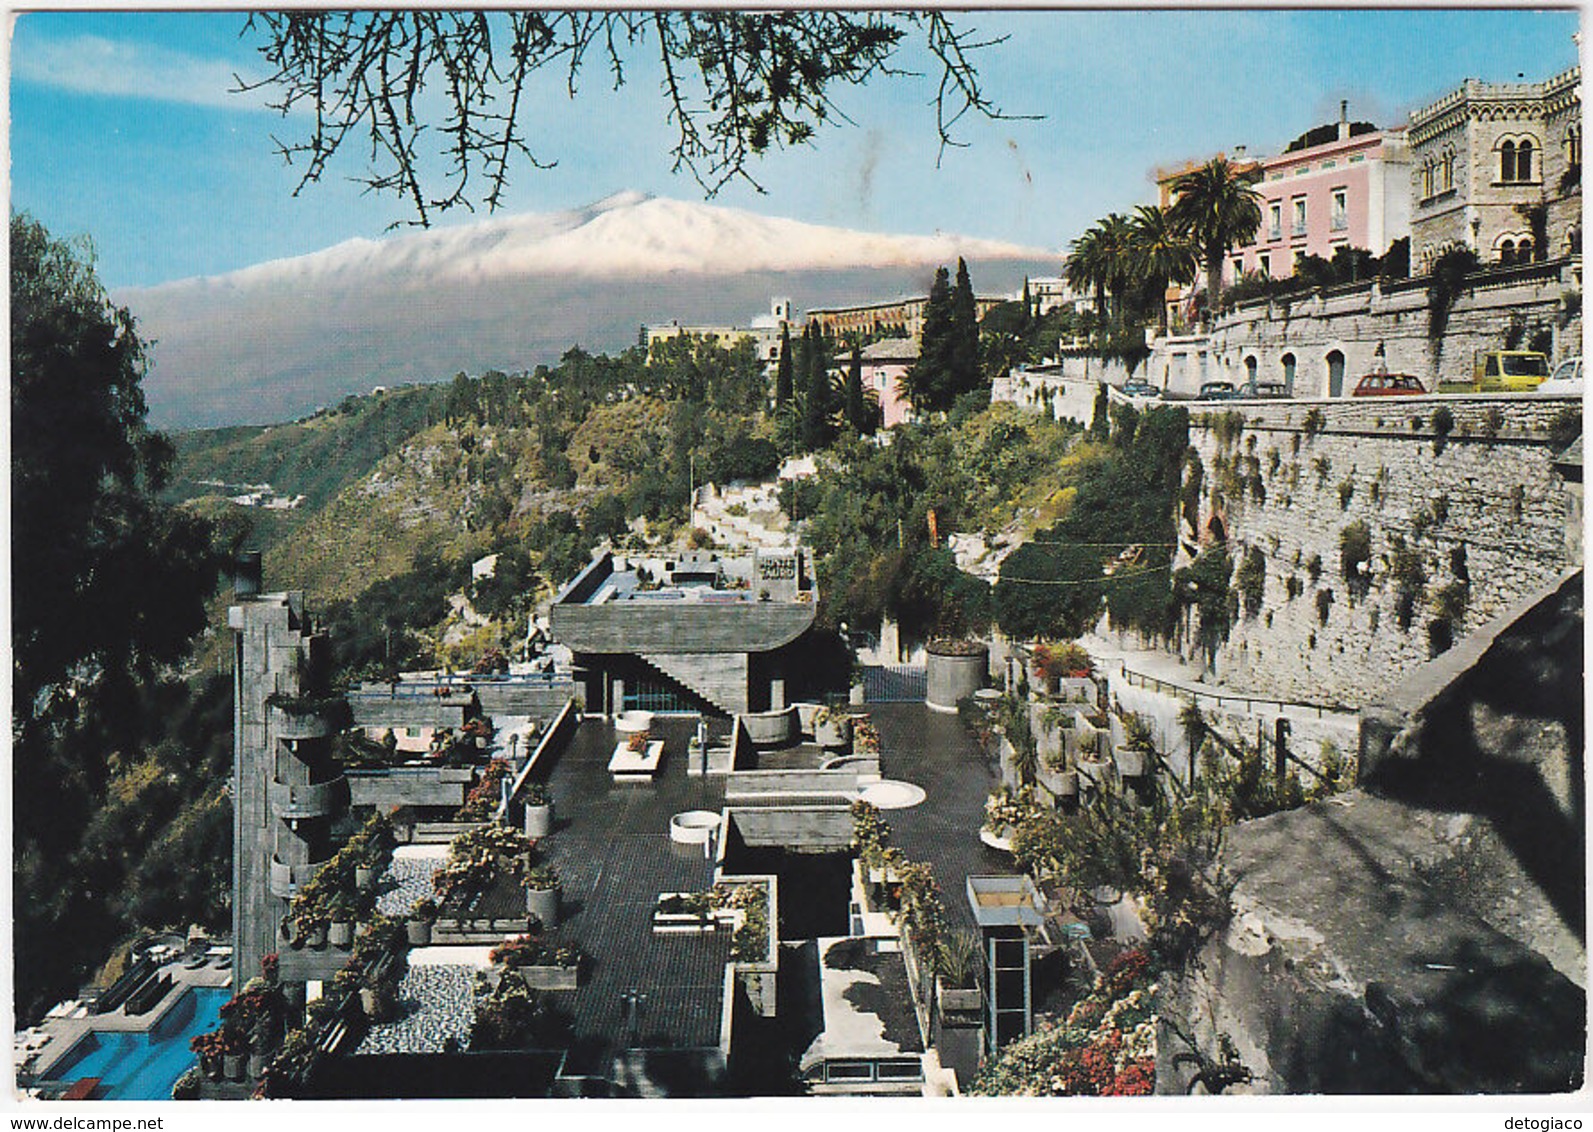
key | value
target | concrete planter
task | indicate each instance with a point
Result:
(364, 876)
(551, 978)
(316, 937)
(805, 713)
(833, 733)
(232, 1066)
(543, 903)
(1131, 762)
(959, 999)
(770, 728)
(1094, 772)
(858, 695)
(950, 678)
(539, 821)
(341, 933)
(1076, 690)
(257, 1065)
(1061, 783)
(419, 932)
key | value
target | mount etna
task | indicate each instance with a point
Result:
(281, 339)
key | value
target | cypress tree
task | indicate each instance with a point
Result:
(816, 387)
(928, 380)
(782, 380)
(963, 369)
(855, 408)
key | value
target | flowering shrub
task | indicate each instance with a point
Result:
(1005, 810)
(485, 794)
(534, 951)
(865, 736)
(478, 857)
(1107, 1046)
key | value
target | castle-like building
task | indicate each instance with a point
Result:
(1485, 157)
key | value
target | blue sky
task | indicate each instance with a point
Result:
(123, 128)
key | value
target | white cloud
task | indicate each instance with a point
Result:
(91, 64)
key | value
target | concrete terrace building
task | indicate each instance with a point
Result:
(1485, 151)
(287, 788)
(697, 633)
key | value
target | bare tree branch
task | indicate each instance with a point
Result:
(735, 85)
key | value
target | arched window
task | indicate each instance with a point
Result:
(1448, 179)
(1524, 161)
(1288, 373)
(1573, 145)
(1427, 178)
(1507, 161)
(1524, 250)
(1507, 251)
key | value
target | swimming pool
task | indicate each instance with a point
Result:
(143, 1067)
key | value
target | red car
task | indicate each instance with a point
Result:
(1388, 385)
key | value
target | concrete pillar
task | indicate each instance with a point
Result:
(777, 693)
(617, 697)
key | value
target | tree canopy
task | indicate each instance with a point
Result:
(108, 588)
(735, 85)
(103, 576)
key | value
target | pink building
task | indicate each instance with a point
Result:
(1340, 185)
(885, 366)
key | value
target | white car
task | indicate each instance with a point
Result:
(1566, 378)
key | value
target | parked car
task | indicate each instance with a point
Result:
(1507, 371)
(1217, 391)
(1567, 378)
(1265, 390)
(1502, 371)
(1388, 385)
(1141, 389)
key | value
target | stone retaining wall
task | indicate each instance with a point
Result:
(1286, 480)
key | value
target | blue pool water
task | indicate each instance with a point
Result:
(143, 1067)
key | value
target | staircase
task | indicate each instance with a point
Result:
(729, 696)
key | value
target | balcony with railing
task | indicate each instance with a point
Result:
(311, 800)
(285, 880)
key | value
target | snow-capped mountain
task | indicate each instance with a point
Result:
(279, 339)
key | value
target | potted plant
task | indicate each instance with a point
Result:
(1091, 761)
(542, 894)
(340, 910)
(538, 810)
(377, 999)
(421, 918)
(209, 1047)
(831, 729)
(957, 961)
(313, 928)
(1134, 754)
(234, 1054)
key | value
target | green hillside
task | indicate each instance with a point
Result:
(316, 457)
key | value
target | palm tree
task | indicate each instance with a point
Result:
(1216, 208)
(1162, 256)
(1100, 260)
(1117, 237)
(1087, 268)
